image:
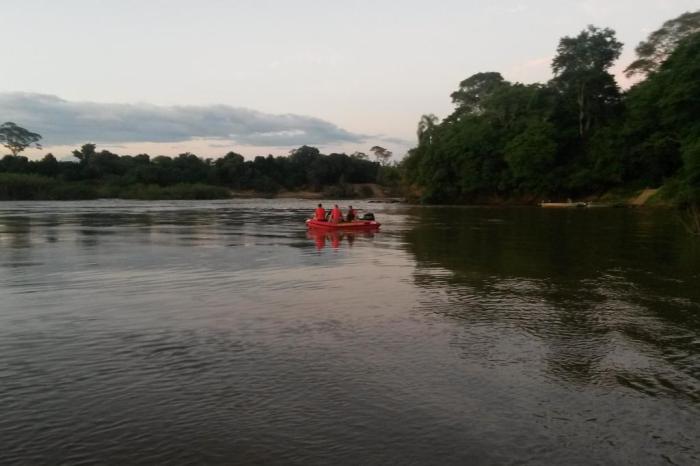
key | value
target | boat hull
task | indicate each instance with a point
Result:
(354, 225)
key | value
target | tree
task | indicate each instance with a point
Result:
(16, 138)
(381, 154)
(530, 155)
(48, 166)
(473, 90)
(86, 151)
(689, 201)
(581, 72)
(230, 169)
(426, 128)
(652, 52)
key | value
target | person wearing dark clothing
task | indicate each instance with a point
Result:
(352, 214)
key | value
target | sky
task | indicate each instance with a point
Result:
(266, 76)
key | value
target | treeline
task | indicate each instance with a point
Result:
(577, 134)
(105, 174)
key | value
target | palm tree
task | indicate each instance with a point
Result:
(426, 126)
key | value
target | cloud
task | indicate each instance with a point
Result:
(394, 140)
(64, 122)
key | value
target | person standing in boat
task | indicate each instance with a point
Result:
(336, 214)
(320, 213)
(352, 214)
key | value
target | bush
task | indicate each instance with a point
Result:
(339, 191)
(17, 186)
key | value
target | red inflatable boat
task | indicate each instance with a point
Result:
(354, 225)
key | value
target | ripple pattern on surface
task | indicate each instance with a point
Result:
(224, 333)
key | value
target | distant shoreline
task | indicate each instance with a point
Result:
(27, 187)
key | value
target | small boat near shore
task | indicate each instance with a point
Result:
(564, 205)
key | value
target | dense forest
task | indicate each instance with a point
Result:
(95, 174)
(578, 134)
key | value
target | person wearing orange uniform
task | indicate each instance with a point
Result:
(320, 213)
(336, 214)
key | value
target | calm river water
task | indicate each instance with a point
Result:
(222, 332)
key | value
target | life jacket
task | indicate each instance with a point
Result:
(336, 214)
(320, 213)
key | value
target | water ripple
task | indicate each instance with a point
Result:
(222, 332)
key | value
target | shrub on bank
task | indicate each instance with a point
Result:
(16, 186)
(31, 187)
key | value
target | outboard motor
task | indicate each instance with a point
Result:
(368, 216)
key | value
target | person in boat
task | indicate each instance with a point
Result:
(320, 213)
(336, 214)
(352, 214)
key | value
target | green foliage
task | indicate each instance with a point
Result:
(689, 197)
(25, 186)
(664, 118)
(530, 156)
(654, 51)
(389, 176)
(426, 128)
(474, 90)
(581, 75)
(691, 174)
(574, 136)
(105, 174)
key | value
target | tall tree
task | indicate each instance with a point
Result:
(85, 153)
(652, 52)
(473, 90)
(426, 127)
(381, 154)
(16, 138)
(581, 72)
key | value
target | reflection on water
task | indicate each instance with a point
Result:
(336, 239)
(225, 332)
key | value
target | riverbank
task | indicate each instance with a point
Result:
(23, 187)
(620, 197)
(31, 187)
(340, 191)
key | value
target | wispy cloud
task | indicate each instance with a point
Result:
(64, 122)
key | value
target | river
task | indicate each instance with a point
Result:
(224, 333)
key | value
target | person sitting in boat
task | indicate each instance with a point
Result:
(336, 214)
(352, 214)
(320, 213)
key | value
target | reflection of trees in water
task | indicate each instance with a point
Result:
(597, 288)
(182, 227)
(88, 226)
(15, 232)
